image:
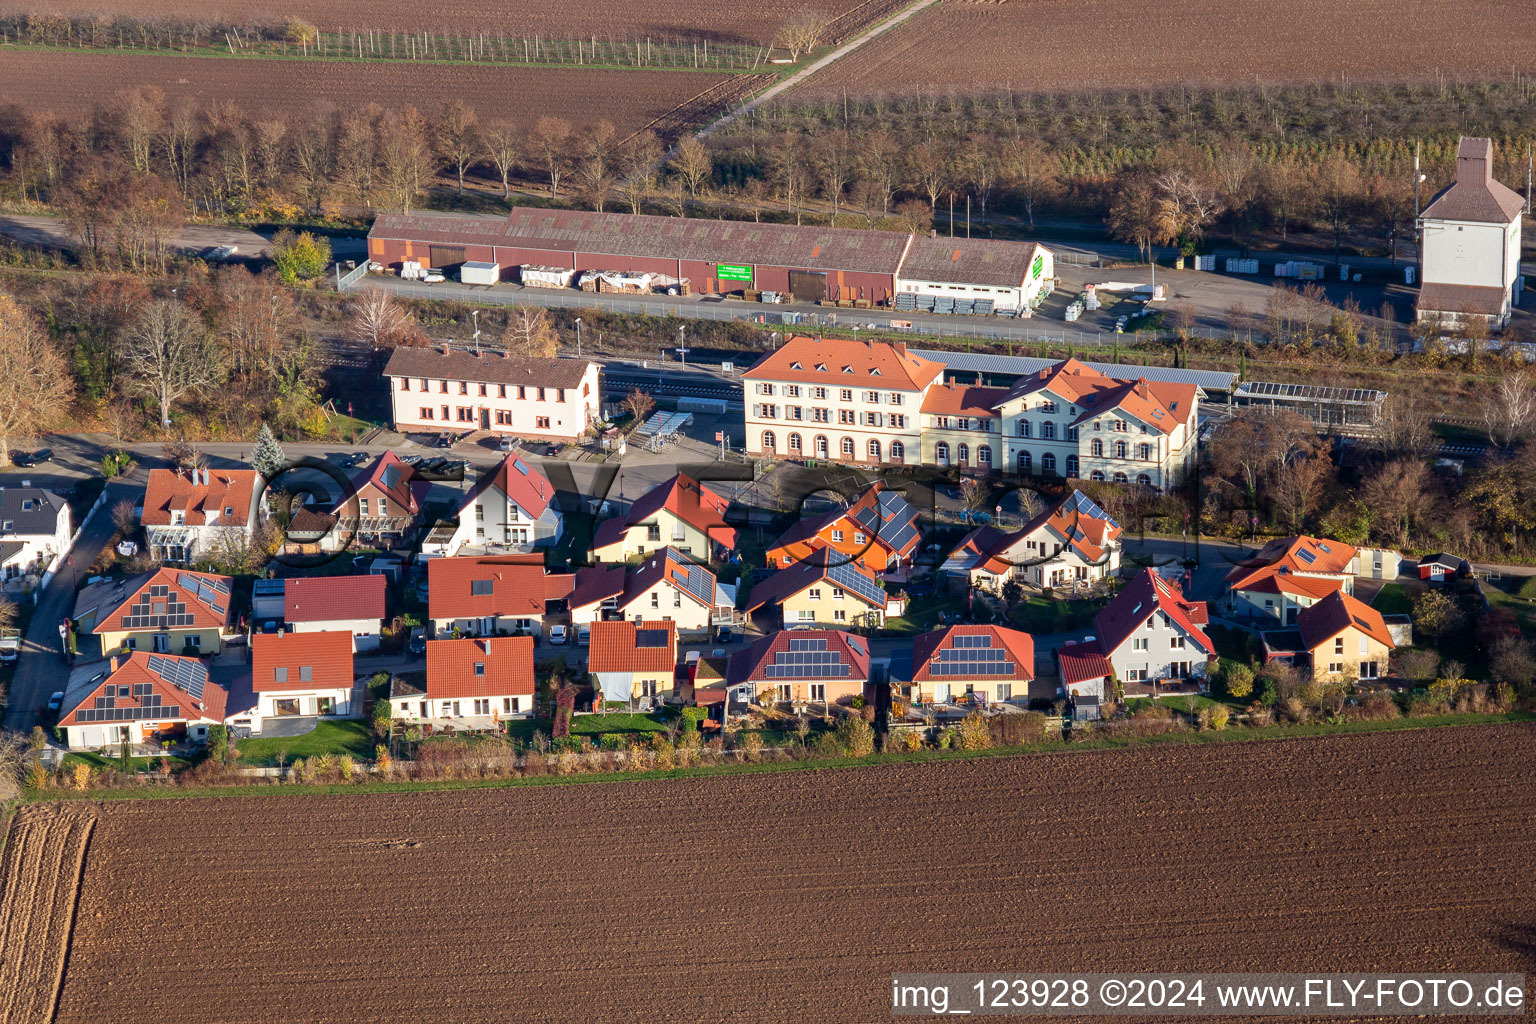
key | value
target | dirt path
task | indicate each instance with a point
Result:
(795, 896)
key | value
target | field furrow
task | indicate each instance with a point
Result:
(40, 875)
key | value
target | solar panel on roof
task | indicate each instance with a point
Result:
(849, 578)
(1306, 556)
(650, 638)
(807, 644)
(518, 465)
(391, 476)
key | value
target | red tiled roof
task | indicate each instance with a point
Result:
(505, 667)
(963, 400)
(597, 583)
(670, 566)
(226, 492)
(1020, 648)
(614, 648)
(1161, 405)
(1456, 299)
(178, 704)
(1139, 599)
(751, 664)
(327, 657)
(115, 601)
(1334, 614)
(524, 485)
(331, 598)
(1301, 554)
(1277, 581)
(519, 586)
(1082, 662)
(684, 497)
(395, 480)
(816, 532)
(849, 364)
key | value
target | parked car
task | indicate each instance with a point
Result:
(584, 636)
(444, 440)
(36, 458)
(724, 635)
(506, 444)
(56, 701)
(557, 634)
(552, 450)
(356, 459)
(433, 277)
(418, 643)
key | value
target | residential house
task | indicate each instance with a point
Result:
(844, 401)
(35, 529)
(337, 604)
(302, 674)
(494, 594)
(976, 664)
(681, 514)
(167, 611)
(1287, 575)
(1070, 544)
(1148, 633)
(190, 514)
(634, 660)
(666, 585)
(140, 699)
(512, 508)
(1071, 420)
(385, 505)
(472, 683)
(824, 592)
(1340, 638)
(1441, 567)
(962, 426)
(463, 391)
(802, 666)
(877, 531)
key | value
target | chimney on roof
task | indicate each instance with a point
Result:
(447, 350)
(1141, 386)
(112, 663)
(933, 232)
(1474, 162)
(901, 348)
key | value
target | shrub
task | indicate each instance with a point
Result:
(1017, 730)
(827, 745)
(38, 739)
(974, 733)
(303, 770)
(909, 740)
(301, 257)
(1214, 717)
(80, 775)
(345, 766)
(1238, 680)
(750, 745)
(37, 776)
(611, 741)
(856, 736)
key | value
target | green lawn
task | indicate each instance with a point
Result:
(589, 725)
(338, 737)
(1393, 600)
(1523, 609)
(135, 764)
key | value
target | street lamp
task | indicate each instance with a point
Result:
(578, 337)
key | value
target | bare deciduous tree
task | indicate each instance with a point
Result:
(639, 405)
(1509, 408)
(168, 354)
(529, 333)
(35, 384)
(692, 162)
(549, 141)
(802, 32)
(377, 320)
(458, 137)
(503, 145)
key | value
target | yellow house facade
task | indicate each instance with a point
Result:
(168, 611)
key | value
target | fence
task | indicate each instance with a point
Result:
(53, 566)
(351, 277)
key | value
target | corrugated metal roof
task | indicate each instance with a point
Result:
(968, 261)
(1019, 366)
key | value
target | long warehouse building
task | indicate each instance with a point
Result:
(806, 263)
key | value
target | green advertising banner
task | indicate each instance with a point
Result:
(1034, 271)
(733, 272)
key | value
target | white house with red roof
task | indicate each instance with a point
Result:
(511, 508)
(666, 585)
(801, 666)
(972, 664)
(493, 594)
(634, 660)
(845, 401)
(1070, 420)
(140, 699)
(1287, 575)
(877, 531)
(337, 604)
(1149, 633)
(301, 675)
(472, 684)
(189, 513)
(679, 513)
(1071, 544)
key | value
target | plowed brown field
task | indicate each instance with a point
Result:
(794, 896)
(41, 877)
(73, 82)
(1071, 45)
(721, 20)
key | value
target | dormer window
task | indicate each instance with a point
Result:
(795, 365)
(229, 510)
(874, 371)
(847, 369)
(178, 518)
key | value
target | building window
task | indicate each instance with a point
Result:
(442, 387)
(1097, 474)
(1048, 463)
(874, 450)
(501, 391)
(1144, 452)
(1120, 449)
(1025, 428)
(837, 536)
(1048, 431)
(1144, 480)
(1072, 466)
(941, 453)
(503, 418)
(847, 447)
(541, 394)
(813, 594)
(963, 452)
(1096, 448)
(426, 412)
(898, 421)
(1139, 643)
(817, 691)
(792, 390)
(984, 455)
(898, 451)
(794, 442)
(466, 414)
(405, 383)
(764, 388)
(819, 393)
(821, 446)
(484, 391)
(445, 412)
(845, 394)
(362, 506)
(819, 415)
(463, 387)
(845, 417)
(541, 422)
(1025, 463)
(770, 443)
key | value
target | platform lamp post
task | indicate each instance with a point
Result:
(578, 337)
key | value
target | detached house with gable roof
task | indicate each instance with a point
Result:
(34, 530)
(680, 513)
(168, 611)
(386, 504)
(877, 531)
(189, 513)
(634, 660)
(1149, 633)
(486, 596)
(303, 674)
(1339, 638)
(1071, 543)
(512, 508)
(1288, 575)
(801, 666)
(666, 585)
(824, 590)
(844, 401)
(141, 699)
(977, 664)
(472, 684)
(337, 604)
(1471, 245)
(458, 390)
(1071, 420)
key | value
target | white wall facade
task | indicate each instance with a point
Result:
(37, 549)
(365, 632)
(492, 625)
(1471, 253)
(518, 410)
(415, 708)
(1153, 652)
(307, 702)
(859, 412)
(1043, 440)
